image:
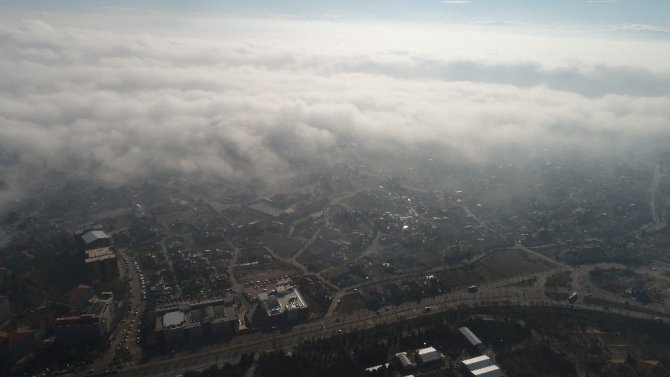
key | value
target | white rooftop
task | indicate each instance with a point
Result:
(424, 351)
(478, 363)
(476, 359)
(94, 235)
(470, 336)
(173, 319)
(429, 354)
(490, 371)
(404, 360)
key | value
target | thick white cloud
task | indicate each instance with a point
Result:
(118, 106)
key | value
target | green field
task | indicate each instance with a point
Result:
(350, 303)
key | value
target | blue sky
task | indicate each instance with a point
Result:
(650, 12)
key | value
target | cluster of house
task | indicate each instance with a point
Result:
(83, 318)
(90, 316)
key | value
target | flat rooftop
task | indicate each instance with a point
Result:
(476, 360)
(490, 371)
(429, 354)
(195, 314)
(173, 319)
(477, 363)
(93, 236)
(281, 299)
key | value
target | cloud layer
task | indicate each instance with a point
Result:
(117, 107)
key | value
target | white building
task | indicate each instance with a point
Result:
(429, 355)
(482, 366)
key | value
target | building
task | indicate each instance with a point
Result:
(477, 362)
(482, 366)
(78, 330)
(196, 321)
(16, 344)
(403, 362)
(100, 262)
(95, 239)
(283, 304)
(5, 309)
(490, 371)
(104, 308)
(473, 341)
(90, 327)
(101, 265)
(79, 296)
(429, 357)
(573, 297)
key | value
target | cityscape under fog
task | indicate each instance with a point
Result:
(296, 188)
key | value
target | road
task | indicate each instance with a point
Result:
(656, 214)
(331, 324)
(177, 287)
(124, 335)
(329, 327)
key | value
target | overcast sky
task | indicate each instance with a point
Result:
(118, 91)
(651, 12)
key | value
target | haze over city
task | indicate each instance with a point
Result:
(252, 89)
(247, 184)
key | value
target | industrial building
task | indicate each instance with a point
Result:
(15, 344)
(196, 321)
(473, 341)
(283, 304)
(404, 363)
(429, 357)
(5, 309)
(482, 366)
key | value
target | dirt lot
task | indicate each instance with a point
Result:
(283, 246)
(350, 303)
(502, 265)
(246, 274)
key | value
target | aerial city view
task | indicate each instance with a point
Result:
(359, 188)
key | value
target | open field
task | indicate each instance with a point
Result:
(623, 306)
(246, 274)
(114, 219)
(187, 216)
(499, 266)
(350, 303)
(561, 279)
(318, 257)
(283, 246)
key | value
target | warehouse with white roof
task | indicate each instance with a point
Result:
(482, 366)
